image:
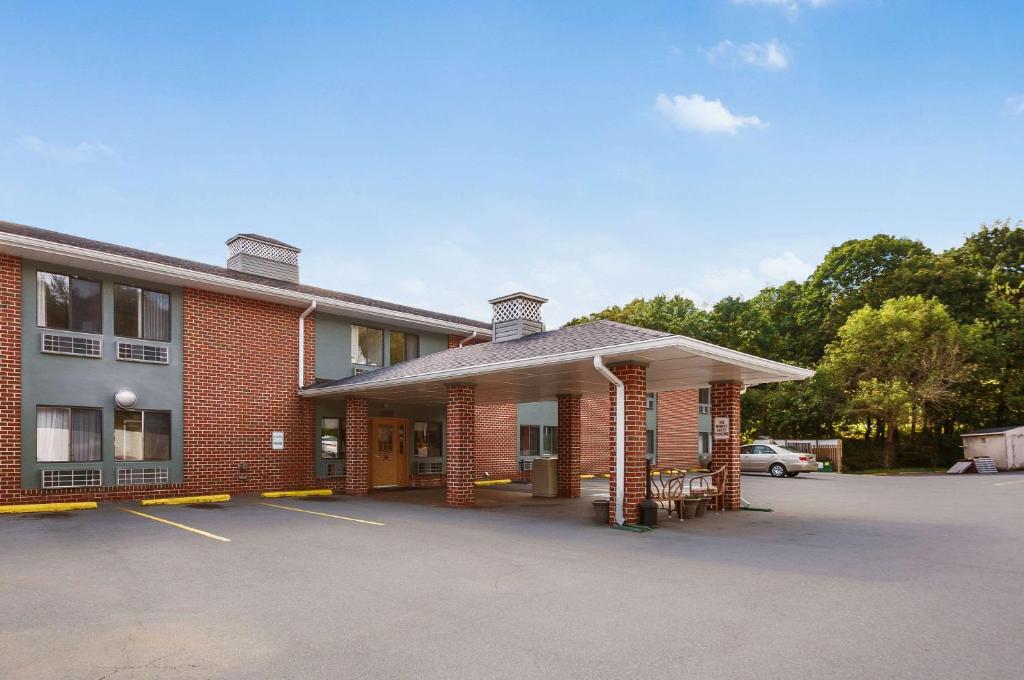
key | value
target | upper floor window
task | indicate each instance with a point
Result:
(367, 346)
(142, 435)
(68, 435)
(69, 303)
(403, 347)
(139, 313)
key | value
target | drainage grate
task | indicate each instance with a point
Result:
(68, 479)
(137, 351)
(72, 345)
(140, 475)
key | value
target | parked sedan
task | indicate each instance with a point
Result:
(776, 460)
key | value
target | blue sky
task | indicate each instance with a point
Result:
(439, 154)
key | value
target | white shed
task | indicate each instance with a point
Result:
(1004, 445)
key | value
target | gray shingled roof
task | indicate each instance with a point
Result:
(200, 267)
(592, 335)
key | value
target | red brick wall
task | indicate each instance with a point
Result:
(10, 378)
(725, 402)
(454, 340)
(594, 435)
(459, 489)
(634, 377)
(495, 440)
(677, 429)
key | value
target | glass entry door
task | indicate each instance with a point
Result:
(389, 461)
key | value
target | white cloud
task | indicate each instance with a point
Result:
(747, 281)
(698, 114)
(83, 152)
(1015, 105)
(784, 268)
(771, 55)
(791, 7)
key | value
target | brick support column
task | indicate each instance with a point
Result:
(725, 403)
(459, 489)
(357, 447)
(569, 445)
(10, 378)
(634, 377)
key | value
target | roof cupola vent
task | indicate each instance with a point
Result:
(263, 256)
(516, 315)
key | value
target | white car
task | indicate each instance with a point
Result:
(778, 461)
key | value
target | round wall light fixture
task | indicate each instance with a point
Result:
(125, 399)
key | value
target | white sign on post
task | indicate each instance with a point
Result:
(277, 441)
(722, 427)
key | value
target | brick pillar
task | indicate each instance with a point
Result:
(634, 377)
(10, 378)
(357, 447)
(459, 489)
(725, 403)
(569, 445)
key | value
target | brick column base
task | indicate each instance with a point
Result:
(459, 489)
(357, 447)
(569, 445)
(634, 377)
(725, 403)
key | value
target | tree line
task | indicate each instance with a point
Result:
(911, 347)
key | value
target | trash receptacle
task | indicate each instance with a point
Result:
(545, 477)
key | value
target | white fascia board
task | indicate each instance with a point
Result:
(29, 247)
(784, 372)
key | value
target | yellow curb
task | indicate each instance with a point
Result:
(187, 500)
(492, 482)
(586, 476)
(606, 476)
(47, 507)
(297, 494)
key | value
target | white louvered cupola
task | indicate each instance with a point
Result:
(516, 315)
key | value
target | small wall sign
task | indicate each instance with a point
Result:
(721, 427)
(277, 441)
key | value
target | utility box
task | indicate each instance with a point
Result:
(545, 477)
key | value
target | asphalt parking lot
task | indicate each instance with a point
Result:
(849, 577)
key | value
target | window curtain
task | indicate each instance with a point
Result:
(156, 435)
(86, 438)
(52, 434)
(156, 316)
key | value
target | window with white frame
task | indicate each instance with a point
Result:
(703, 443)
(142, 435)
(140, 313)
(332, 438)
(367, 346)
(529, 440)
(69, 303)
(704, 400)
(402, 347)
(68, 435)
(427, 439)
(549, 440)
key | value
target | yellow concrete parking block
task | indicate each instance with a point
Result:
(187, 500)
(587, 476)
(323, 514)
(492, 482)
(47, 507)
(168, 522)
(296, 494)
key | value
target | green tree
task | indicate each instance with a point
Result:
(898, 361)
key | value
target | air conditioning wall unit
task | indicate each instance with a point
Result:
(359, 370)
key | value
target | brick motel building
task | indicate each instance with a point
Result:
(127, 374)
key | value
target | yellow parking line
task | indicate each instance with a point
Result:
(324, 514)
(175, 524)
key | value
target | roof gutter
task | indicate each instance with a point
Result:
(620, 436)
(472, 337)
(302, 342)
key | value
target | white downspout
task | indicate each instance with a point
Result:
(302, 342)
(472, 337)
(620, 437)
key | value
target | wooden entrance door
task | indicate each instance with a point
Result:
(389, 460)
